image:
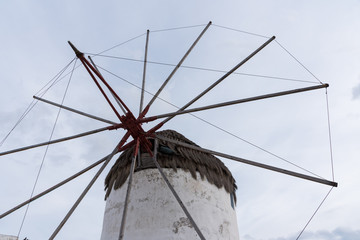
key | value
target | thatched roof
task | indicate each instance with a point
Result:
(172, 156)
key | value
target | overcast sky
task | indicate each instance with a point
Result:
(323, 35)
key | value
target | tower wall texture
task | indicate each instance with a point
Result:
(153, 212)
(7, 237)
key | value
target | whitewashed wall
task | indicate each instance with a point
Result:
(154, 213)
(7, 237)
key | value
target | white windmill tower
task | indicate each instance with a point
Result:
(7, 237)
(164, 186)
(202, 182)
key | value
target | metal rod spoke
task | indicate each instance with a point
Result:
(197, 229)
(108, 158)
(144, 73)
(74, 110)
(117, 100)
(132, 168)
(53, 187)
(223, 77)
(61, 139)
(256, 164)
(223, 104)
(178, 65)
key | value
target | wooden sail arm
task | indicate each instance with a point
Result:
(256, 164)
(178, 65)
(73, 110)
(91, 183)
(92, 70)
(223, 104)
(112, 127)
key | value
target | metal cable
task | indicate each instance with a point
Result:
(211, 124)
(256, 146)
(209, 69)
(329, 132)
(27, 110)
(45, 153)
(177, 28)
(237, 30)
(34, 102)
(332, 166)
(131, 39)
(178, 65)
(53, 82)
(317, 209)
(117, 45)
(53, 187)
(55, 79)
(298, 61)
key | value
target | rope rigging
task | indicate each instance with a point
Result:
(313, 215)
(59, 77)
(330, 139)
(213, 125)
(241, 31)
(34, 102)
(298, 62)
(47, 148)
(204, 69)
(177, 28)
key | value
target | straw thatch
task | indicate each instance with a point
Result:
(172, 156)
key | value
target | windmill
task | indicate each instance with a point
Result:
(145, 140)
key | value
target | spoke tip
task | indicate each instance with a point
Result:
(77, 52)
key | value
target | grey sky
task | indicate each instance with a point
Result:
(323, 35)
(356, 92)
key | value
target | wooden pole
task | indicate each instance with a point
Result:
(128, 191)
(144, 73)
(178, 65)
(188, 215)
(53, 187)
(58, 140)
(256, 164)
(223, 77)
(271, 95)
(123, 140)
(74, 110)
(117, 100)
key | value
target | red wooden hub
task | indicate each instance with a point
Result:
(129, 122)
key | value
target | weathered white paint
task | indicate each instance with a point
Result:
(7, 237)
(154, 213)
